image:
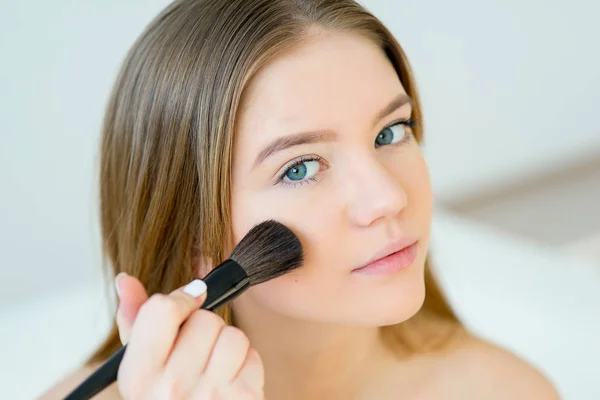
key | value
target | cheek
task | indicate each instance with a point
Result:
(296, 209)
(293, 294)
(316, 226)
(293, 207)
(300, 293)
(414, 176)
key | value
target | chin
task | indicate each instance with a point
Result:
(402, 312)
(394, 308)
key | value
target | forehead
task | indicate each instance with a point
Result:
(333, 79)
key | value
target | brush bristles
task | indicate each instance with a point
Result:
(268, 250)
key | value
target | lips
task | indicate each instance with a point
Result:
(389, 249)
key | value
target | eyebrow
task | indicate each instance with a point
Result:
(395, 104)
(297, 139)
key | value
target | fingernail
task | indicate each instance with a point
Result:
(122, 336)
(117, 282)
(195, 288)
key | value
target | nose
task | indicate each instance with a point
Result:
(372, 192)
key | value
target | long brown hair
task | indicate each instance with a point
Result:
(166, 147)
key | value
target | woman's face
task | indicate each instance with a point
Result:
(322, 145)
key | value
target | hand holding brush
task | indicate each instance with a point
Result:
(176, 350)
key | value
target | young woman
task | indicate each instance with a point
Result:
(226, 113)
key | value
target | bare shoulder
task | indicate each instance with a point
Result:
(70, 382)
(495, 373)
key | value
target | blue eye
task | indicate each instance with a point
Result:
(393, 134)
(302, 170)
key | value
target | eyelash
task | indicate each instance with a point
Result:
(294, 163)
(410, 123)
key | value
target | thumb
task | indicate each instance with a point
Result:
(132, 295)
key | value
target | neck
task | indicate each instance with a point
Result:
(305, 359)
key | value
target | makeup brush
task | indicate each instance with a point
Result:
(267, 251)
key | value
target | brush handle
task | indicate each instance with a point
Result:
(224, 283)
(100, 379)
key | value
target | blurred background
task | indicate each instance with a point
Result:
(511, 93)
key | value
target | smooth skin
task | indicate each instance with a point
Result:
(316, 329)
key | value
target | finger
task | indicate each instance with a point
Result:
(157, 325)
(123, 327)
(132, 295)
(252, 373)
(193, 347)
(228, 355)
